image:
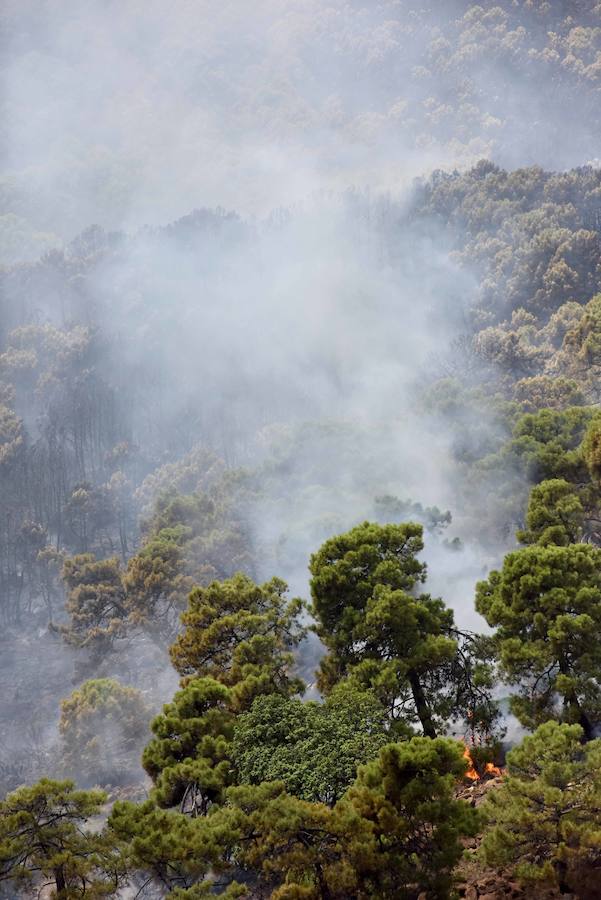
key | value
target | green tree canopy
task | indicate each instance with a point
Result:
(546, 443)
(545, 820)
(241, 634)
(400, 644)
(555, 514)
(313, 748)
(174, 851)
(102, 728)
(43, 840)
(395, 833)
(346, 570)
(188, 757)
(236, 645)
(545, 604)
(407, 797)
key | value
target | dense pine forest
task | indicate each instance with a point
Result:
(300, 450)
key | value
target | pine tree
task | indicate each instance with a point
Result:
(395, 833)
(545, 820)
(241, 634)
(546, 606)
(43, 840)
(388, 638)
(189, 756)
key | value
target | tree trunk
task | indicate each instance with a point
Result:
(61, 884)
(572, 701)
(324, 890)
(585, 724)
(561, 871)
(421, 705)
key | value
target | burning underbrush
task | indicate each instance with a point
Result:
(480, 765)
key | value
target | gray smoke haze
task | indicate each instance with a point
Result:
(125, 112)
(305, 342)
(295, 333)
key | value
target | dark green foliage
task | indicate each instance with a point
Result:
(174, 851)
(401, 645)
(314, 749)
(545, 820)
(241, 634)
(555, 514)
(188, 757)
(346, 570)
(236, 645)
(407, 795)
(397, 830)
(269, 779)
(546, 443)
(43, 836)
(545, 604)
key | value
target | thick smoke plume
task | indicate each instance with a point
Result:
(294, 333)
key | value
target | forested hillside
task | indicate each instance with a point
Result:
(300, 450)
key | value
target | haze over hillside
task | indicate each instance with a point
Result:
(270, 271)
(120, 114)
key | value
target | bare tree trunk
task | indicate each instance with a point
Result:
(421, 705)
(59, 878)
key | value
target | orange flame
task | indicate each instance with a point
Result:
(471, 772)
